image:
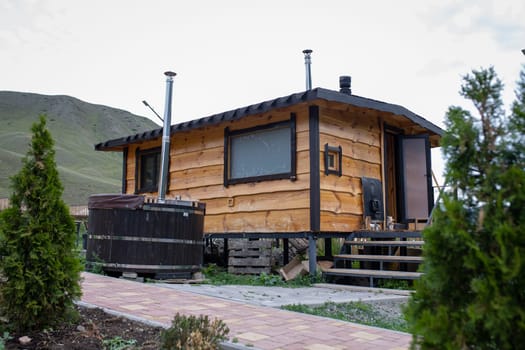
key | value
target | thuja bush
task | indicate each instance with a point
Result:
(195, 333)
(37, 236)
(472, 293)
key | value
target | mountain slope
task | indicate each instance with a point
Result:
(75, 126)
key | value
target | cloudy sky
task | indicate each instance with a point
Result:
(232, 53)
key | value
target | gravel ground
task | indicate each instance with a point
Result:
(389, 310)
(385, 313)
(279, 296)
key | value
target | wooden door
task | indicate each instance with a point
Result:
(415, 177)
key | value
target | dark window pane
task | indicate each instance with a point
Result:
(415, 176)
(264, 152)
(331, 160)
(149, 168)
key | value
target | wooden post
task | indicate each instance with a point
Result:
(312, 255)
(383, 169)
(286, 251)
(225, 254)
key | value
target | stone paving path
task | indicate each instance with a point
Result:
(258, 326)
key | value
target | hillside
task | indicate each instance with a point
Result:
(75, 126)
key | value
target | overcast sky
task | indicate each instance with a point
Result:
(228, 54)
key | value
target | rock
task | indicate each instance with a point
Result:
(81, 328)
(24, 340)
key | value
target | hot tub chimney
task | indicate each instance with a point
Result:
(308, 63)
(165, 155)
(345, 83)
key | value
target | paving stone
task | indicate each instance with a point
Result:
(261, 326)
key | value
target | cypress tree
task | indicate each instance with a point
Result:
(473, 290)
(39, 265)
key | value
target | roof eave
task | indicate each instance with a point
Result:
(263, 107)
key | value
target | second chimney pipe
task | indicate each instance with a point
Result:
(308, 63)
(165, 155)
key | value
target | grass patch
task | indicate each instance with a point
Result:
(357, 312)
(219, 276)
(395, 284)
(118, 343)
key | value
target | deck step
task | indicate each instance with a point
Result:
(385, 258)
(387, 243)
(371, 274)
(387, 234)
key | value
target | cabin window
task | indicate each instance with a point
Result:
(333, 160)
(148, 169)
(261, 153)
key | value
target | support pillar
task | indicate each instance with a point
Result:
(286, 251)
(225, 253)
(328, 248)
(312, 255)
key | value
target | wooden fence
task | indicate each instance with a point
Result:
(77, 211)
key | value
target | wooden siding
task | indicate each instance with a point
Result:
(358, 132)
(131, 163)
(196, 173)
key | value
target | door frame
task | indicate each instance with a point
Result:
(400, 204)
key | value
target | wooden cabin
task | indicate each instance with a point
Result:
(317, 163)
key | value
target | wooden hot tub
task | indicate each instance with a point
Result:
(125, 234)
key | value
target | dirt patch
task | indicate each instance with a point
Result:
(94, 330)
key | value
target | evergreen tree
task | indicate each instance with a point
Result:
(472, 294)
(39, 264)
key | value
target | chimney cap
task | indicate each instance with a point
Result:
(345, 84)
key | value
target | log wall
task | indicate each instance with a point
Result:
(359, 135)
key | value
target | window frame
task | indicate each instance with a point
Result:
(139, 153)
(228, 134)
(337, 152)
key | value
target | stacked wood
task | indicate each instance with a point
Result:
(294, 269)
(297, 246)
(249, 257)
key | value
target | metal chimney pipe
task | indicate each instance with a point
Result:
(165, 155)
(308, 63)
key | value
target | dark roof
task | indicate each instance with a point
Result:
(263, 107)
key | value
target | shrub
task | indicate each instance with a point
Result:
(37, 233)
(472, 293)
(196, 333)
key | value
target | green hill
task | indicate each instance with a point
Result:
(75, 126)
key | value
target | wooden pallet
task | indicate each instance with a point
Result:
(249, 257)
